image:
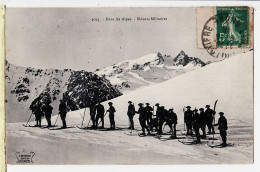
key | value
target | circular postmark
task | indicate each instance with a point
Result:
(219, 45)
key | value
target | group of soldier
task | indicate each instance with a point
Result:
(197, 121)
(40, 110)
(194, 121)
(149, 121)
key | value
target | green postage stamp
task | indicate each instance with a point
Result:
(232, 26)
(220, 30)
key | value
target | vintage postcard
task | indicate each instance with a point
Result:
(129, 85)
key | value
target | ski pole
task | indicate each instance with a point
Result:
(88, 122)
(28, 119)
(56, 120)
(83, 118)
(103, 117)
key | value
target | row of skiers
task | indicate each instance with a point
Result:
(148, 120)
(194, 121)
(45, 110)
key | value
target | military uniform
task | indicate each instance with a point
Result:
(203, 122)
(171, 121)
(47, 109)
(210, 116)
(38, 113)
(222, 126)
(63, 113)
(111, 111)
(162, 113)
(142, 118)
(130, 114)
(188, 115)
(149, 113)
(196, 123)
(99, 110)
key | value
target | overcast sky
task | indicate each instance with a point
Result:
(67, 38)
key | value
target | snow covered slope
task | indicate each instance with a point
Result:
(153, 68)
(230, 81)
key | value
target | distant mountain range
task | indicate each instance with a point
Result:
(80, 89)
(154, 68)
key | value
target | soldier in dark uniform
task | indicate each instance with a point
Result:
(149, 113)
(161, 118)
(188, 114)
(37, 110)
(111, 111)
(171, 121)
(47, 109)
(63, 113)
(142, 118)
(155, 117)
(210, 116)
(222, 126)
(99, 111)
(203, 122)
(196, 123)
(130, 114)
(92, 115)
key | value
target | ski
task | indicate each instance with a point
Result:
(220, 145)
(188, 142)
(43, 127)
(131, 134)
(60, 128)
(168, 138)
(29, 125)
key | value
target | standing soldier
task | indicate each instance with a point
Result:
(161, 118)
(196, 124)
(99, 110)
(47, 109)
(171, 121)
(130, 114)
(37, 110)
(210, 116)
(155, 119)
(92, 114)
(111, 111)
(142, 119)
(222, 126)
(188, 120)
(63, 113)
(149, 113)
(203, 122)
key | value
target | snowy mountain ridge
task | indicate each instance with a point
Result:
(150, 69)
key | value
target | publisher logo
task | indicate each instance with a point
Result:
(24, 158)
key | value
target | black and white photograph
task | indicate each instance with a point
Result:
(129, 85)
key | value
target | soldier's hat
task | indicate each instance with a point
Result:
(196, 110)
(171, 109)
(140, 104)
(201, 109)
(129, 101)
(110, 103)
(207, 106)
(147, 103)
(157, 104)
(221, 113)
(188, 107)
